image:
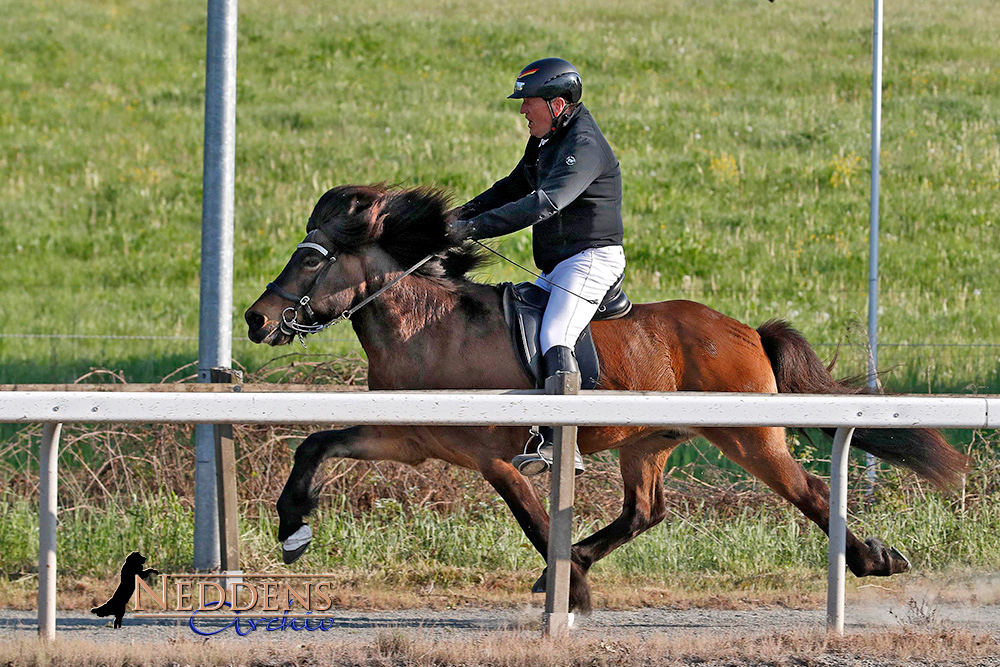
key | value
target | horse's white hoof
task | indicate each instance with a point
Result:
(296, 544)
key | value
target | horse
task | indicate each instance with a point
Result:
(387, 259)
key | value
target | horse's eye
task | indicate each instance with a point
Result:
(311, 262)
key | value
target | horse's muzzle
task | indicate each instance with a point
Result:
(260, 329)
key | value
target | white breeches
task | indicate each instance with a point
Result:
(590, 274)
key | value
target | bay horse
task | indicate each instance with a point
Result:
(434, 328)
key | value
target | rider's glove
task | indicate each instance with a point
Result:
(460, 230)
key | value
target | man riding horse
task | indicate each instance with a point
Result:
(385, 259)
(568, 188)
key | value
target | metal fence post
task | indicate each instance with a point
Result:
(837, 550)
(557, 618)
(215, 316)
(225, 484)
(48, 505)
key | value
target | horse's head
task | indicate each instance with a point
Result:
(358, 238)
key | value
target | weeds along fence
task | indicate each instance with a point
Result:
(250, 404)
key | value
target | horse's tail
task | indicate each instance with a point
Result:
(798, 370)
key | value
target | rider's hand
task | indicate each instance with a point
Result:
(459, 230)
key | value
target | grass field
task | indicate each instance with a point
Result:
(708, 551)
(742, 129)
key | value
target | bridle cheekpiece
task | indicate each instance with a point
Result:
(292, 327)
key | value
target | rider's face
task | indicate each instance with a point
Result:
(537, 113)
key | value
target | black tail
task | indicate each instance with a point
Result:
(798, 370)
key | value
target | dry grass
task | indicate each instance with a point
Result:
(356, 590)
(523, 648)
(101, 464)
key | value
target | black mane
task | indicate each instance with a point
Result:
(407, 223)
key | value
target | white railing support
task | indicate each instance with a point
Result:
(48, 458)
(837, 550)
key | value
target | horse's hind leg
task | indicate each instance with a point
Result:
(763, 453)
(298, 498)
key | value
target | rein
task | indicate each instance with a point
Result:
(291, 327)
(593, 302)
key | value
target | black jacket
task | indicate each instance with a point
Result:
(569, 189)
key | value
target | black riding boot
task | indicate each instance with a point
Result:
(558, 358)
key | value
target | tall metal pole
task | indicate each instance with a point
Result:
(215, 331)
(874, 211)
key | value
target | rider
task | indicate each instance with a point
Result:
(568, 188)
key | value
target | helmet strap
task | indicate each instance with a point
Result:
(555, 119)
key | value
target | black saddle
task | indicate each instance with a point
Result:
(523, 306)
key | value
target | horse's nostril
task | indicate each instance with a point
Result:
(255, 320)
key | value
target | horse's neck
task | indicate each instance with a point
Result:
(405, 311)
(421, 334)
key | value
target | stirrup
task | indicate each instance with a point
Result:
(530, 462)
(539, 461)
(530, 465)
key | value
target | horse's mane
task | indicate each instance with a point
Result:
(407, 223)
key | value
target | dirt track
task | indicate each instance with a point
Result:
(472, 622)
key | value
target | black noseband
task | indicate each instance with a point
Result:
(282, 292)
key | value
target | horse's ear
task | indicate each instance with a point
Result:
(361, 201)
(348, 201)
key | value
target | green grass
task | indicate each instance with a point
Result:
(933, 534)
(742, 129)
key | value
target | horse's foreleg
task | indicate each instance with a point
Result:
(527, 509)
(763, 453)
(299, 498)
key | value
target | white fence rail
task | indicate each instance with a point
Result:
(491, 408)
(508, 408)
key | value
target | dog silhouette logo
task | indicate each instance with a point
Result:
(116, 605)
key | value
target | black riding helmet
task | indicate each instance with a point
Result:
(548, 78)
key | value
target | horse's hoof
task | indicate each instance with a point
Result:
(888, 560)
(539, 586)
(289, 557)
(898, 562)
(296, 544)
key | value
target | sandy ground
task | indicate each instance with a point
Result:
(362, 626)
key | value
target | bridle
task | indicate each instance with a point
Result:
(292, 327)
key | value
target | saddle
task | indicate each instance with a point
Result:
(523, 306)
